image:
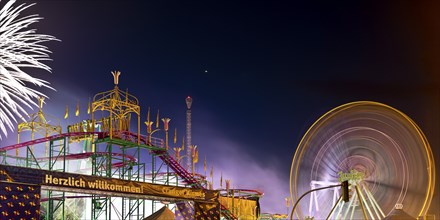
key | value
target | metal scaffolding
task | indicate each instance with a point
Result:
(109, 149)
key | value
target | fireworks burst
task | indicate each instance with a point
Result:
(20, 47)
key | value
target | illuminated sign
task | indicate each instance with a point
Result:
(77, 182)
(97, 184)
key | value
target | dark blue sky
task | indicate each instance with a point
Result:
(272, 68)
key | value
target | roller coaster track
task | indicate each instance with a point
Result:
(50, 138)
(179, 170)
(189, 178)
(128, 158)
(128, 136)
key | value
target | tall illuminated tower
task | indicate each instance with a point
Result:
(188, 133)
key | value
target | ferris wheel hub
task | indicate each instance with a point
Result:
(354, 177)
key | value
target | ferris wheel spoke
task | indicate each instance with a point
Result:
(339, 203)
(397, 187)
(377, 210)
(350, 205)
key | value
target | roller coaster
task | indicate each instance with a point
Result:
(113, 151)
(125, 161)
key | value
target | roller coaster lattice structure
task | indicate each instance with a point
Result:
(113, 158)
(110, 149)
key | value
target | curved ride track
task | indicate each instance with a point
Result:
(127, 136)
(78, 156)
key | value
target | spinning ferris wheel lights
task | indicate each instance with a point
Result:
(374, 141)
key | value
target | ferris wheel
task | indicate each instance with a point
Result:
(380, 151)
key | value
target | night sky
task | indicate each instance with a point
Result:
(260, 72)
